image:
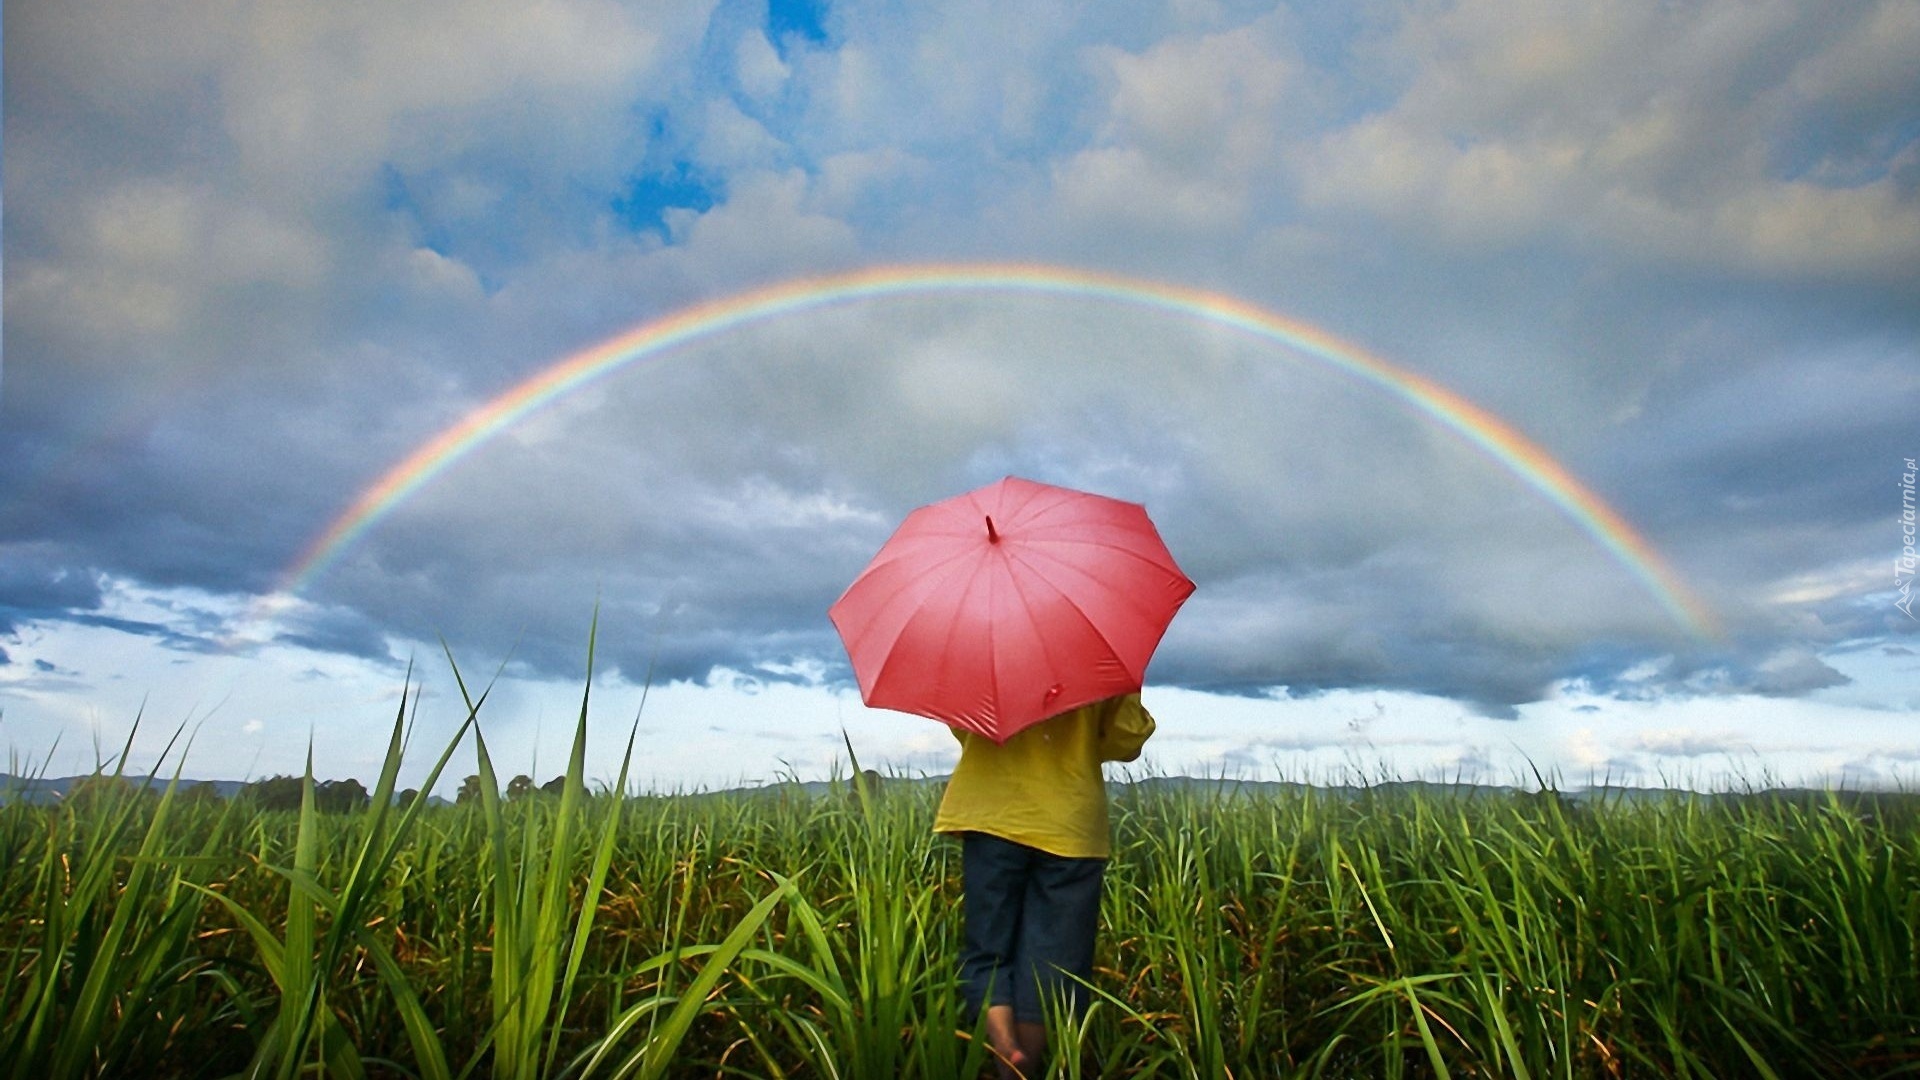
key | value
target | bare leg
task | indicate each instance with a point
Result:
(1033, 1045)
(1009, 1041)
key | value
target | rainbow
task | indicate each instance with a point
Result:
(1515, 452)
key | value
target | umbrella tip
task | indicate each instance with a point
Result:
(992, 536)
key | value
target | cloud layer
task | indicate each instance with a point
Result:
(256, 255)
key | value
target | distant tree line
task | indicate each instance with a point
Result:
(518, 788)
(335, 796)
(338, 796)
(329, 796)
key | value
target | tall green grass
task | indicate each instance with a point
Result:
(1388, 931)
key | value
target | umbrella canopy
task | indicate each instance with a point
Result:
(994, 610)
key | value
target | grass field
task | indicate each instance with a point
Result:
(1374, 933)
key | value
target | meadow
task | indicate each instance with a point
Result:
(1387, 931)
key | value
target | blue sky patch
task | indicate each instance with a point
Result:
(803, 18)
(642, 207)
(398, 197)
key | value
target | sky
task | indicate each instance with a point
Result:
(259, 256)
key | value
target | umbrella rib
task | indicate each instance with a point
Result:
(942, 569)
(1039, 518)
(938, 569)
(1042, 580)
(1104, 545)
(993, 670)
(1137, 557)
(953, 627)
(1017, 509)
(912, 556)
(993, 674)
(1046, 651)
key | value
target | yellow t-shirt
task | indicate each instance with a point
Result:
(1043, 787)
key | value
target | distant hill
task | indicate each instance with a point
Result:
(43, 790)
(1602, 793)
(46, 791)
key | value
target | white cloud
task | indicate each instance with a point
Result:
(1804, 228)
(1685, 742)
(758, 67)
(1200, 101)
(757, 502)
(1851, 580)
(434, 273)
(764, 227)
(849, 184)
(1189, 134)
(146, 254)
(428, 83)
(731, 141)
(1632, 129)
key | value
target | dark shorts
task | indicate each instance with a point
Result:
(1030, 916)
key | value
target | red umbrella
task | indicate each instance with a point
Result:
(994, 610)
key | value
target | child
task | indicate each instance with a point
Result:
(1032, 817)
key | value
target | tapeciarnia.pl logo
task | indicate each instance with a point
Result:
(1904, 565)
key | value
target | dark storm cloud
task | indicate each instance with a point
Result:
(36, 582)
(336, 631)
(243, 282)
(38, 585)
(1792, 671)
